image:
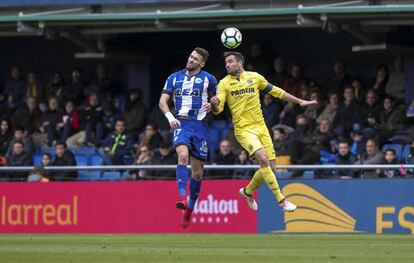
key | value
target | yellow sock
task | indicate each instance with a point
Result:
(255, 183)
(271, 181)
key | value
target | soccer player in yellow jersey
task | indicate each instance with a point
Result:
(240, 89)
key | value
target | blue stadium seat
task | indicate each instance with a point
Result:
(214, 138)
(87, 150)
(37, 159)
(128, 159)
(283, 175)
(308, 175)
(397, 148)
(406, 151)
(73, 150)
(49, 150)
(95, 160)
(81, 160)
(111, 176)
(218, 124)
(89, 176)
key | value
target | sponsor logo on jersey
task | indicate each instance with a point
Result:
(249, 81)
(242, 91)
(198, 80)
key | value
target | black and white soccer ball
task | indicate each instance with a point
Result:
(231, 37)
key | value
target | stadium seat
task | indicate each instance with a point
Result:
(111, 176)
(128, 159)
(398, 148)
(87, 151)
(73, 150)
(283, 175)
(37, 159)
(308, 175)
(406, 151)
(49, 150)
(81, 160)
(214, 138)
(95, 160)
(89, 176)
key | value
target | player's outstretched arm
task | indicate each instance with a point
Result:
(290, 98)
(163, 104)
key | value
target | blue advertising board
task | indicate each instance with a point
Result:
(347, 206)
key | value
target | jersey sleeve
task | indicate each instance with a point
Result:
(212, 87)
(267, 87)
(221, 95)
(169, 85)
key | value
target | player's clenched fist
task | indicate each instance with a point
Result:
(215, 101)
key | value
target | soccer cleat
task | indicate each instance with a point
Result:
(287, 206)
(186, 217)
(182, 203)
(250, 200)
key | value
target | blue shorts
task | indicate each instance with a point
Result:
(194, 134)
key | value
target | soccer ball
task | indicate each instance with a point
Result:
(231, 37)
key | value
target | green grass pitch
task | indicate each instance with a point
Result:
(207, 248)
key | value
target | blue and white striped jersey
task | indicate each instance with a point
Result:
(190, 93)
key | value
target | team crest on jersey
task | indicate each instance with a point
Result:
(203, 147)
(198, 80)
(249, 81)
(251, 147)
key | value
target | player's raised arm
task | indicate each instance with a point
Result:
(163, 104)
(290, 98)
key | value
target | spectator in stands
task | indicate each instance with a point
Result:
(55, 86)
(302, 128)
(390, 159)
(144, 156)
(135, 114)
(91, 121)
(15, 89)
(109, 117)
(358, 142)
(270, 110)
(101, 85)
(370, 111)
(158, 118)
(70, 122)
(358, 90)
(258, 60)
(48, 122)
(340, 79)
(345, 157)
(46, 159)
(5, 136)
(281, 142)
(34, 88)
(151, 136)
(117, 144)
(19, 158)
(225, 156)
(381, 80)
(313, 111)
(348, 112)
(372, 155)
(296, 79)
(330, 110)
(396, 83)
(278, 77)
(242, 159)
(38, 174)
(392, 118)
(74, 90)
(64, 157)
(27, 115)
(20, 135)
(289, 114)
(165, 155)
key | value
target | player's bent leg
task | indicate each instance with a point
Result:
(284, 203)
(182, 176)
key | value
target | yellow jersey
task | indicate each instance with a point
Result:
(242, 96)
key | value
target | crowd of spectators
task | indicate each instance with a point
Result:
(350, 125)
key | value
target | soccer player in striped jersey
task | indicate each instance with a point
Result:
(240, 89)
(191, 89)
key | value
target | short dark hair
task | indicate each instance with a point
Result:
(281, 130)
(60, 143)
(344, 141)
(165, 144)
(239, 56)
(390, 150)
(203, 53)
(47, 154)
